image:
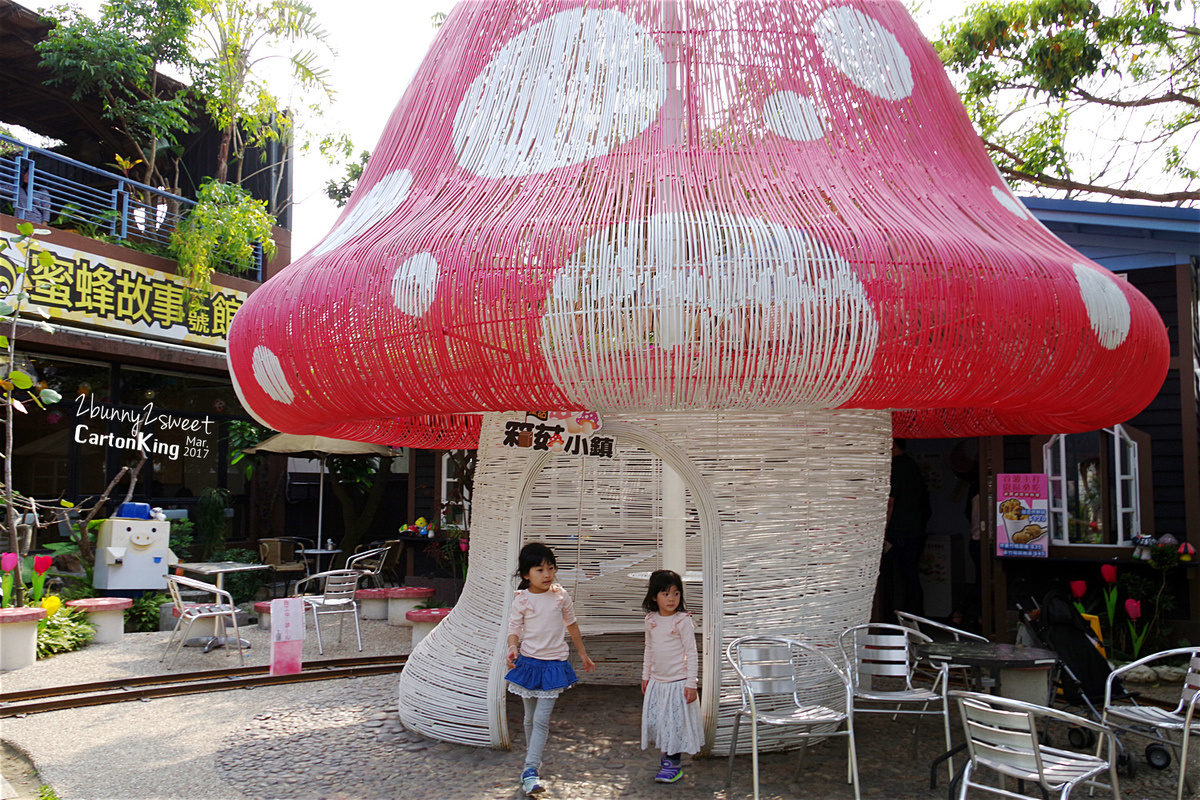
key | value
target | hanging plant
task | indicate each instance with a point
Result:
(220, 233)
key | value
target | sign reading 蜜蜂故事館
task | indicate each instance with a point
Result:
(99, 292)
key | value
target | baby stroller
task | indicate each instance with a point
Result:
(1082, 673)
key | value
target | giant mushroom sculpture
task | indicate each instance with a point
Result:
(758, 238)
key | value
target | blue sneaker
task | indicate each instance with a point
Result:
(530, 783)
(671, 771)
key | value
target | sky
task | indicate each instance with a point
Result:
(379, 44)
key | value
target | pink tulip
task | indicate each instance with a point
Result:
(1109, 572)
(1078, 589)
(462, 545)
(8, 561)
(42, 563)
(1133, 608)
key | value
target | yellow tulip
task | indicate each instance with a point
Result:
(51, 603)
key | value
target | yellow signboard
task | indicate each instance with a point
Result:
(98, 292)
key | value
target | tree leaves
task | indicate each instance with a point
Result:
(1040, 78)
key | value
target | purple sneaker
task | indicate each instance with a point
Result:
(530, 783)
(671, 771)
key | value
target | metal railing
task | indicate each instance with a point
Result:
(46, 188)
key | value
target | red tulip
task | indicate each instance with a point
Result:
(462, 545)
(1078, 589)
(8, 561)
(1109, 572)
(1133, 608)
(42, 563)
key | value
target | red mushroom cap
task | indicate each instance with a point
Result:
(627, 205)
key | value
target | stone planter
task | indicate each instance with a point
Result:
(372, 603)
(424, 620)
(402, 599)
(18, 636)
(263, 609)
(107, 614)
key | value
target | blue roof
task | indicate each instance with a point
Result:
(1122, 236)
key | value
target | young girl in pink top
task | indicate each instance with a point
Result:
(537, 655)
(670, 713)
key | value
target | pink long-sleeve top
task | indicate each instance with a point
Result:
(671, 649)
(540, 622)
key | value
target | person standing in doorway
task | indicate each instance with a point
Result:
(908, 514)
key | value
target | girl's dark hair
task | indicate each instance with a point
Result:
(533, 555)
(660, 581)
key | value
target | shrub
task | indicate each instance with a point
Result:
(64, 631)
(142, 616)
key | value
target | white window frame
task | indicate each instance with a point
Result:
(447, 481)
(1127, 516)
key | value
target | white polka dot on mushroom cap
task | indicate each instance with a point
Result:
(1005, 198)
(865, 52)
(269, 374)
(725, 295)
(380, 201)
(574, 86)
(793, 116)
(1107, 307)
(415, 283)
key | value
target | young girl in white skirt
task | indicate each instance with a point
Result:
(542, 612)
(670, 709)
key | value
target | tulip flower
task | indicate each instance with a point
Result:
(1134, 609)
(462, 545)
(40, 565)
(51, 603)
(1078, 590)
(8, 562)
(1109, 573)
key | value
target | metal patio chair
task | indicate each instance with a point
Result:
(370, 563)
(881, 650)
(336, 596)
(939, 631)
(1158, 724)
(281, 555)
(222, 611)
(1003, 736)
(786, 683)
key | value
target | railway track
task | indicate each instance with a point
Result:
(57, 698)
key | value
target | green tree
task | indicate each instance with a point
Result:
(1071, 96)
(117, 58)
(359, 485)
(236, 38)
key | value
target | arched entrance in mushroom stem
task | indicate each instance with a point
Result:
(783, 522)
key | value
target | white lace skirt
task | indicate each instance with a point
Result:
(670, 722)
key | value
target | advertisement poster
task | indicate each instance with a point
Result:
(1022, 515)
(287, 636)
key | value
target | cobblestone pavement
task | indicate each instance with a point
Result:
(341, 740)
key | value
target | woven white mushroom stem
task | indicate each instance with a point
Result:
(785, 525)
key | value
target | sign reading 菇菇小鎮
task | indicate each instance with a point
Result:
(568, 433)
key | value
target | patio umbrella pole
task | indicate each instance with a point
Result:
(321, 503)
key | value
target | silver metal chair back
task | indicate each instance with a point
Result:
(787, 683)
(369, 563)
(220, 609)
(1158, 724)
(336, 596)
(1003, 736)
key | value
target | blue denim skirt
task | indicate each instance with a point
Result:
(533, 677)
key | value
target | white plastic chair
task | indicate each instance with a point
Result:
(939, 631)
(222, 611)
(337, 588)
(1002, 735)
(880, 650)
(1158, 724)
(788, 683)
(369, 563)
